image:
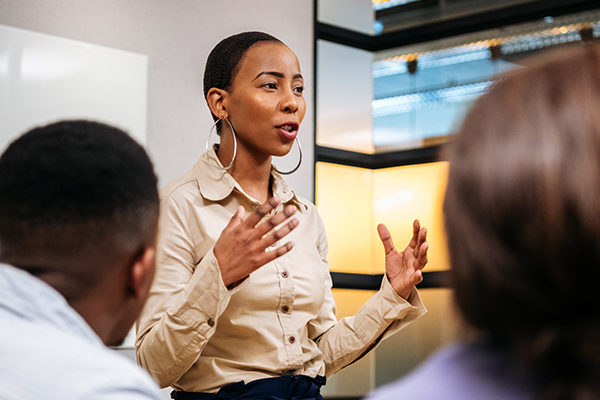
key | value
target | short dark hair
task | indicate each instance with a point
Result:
(523, 217)
(75, 195)
(223, 62)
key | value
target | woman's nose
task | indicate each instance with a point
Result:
(289, 103)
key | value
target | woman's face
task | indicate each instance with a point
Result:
(265, 102)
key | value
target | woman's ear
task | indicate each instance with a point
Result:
(216, 99)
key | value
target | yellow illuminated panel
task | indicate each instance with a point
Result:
(352, 201)
(403, 194)
(343, 195)
(348, 301)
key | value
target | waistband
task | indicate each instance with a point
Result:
(289, 387)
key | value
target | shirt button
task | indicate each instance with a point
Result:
(285, 309)
(284, 274)
(211, 322)
(292, 339)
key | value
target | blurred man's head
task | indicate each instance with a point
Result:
(79, 210)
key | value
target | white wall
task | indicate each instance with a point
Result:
(177, 37)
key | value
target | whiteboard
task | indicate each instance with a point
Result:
(44, 78)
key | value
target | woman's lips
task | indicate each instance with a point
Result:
(288, 131)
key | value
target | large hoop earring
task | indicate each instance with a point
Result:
(299, 161)
(234, 145)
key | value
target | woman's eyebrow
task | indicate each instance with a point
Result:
(277, 74)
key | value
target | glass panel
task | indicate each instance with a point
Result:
(423, 108)
(352, 201)
(402, 194)
(422, 92)
(392, 15)
(356, 15)
(348, 301)
(343, 195)
(344, 95)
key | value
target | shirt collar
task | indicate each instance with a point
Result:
(24, 296)
(217, 184)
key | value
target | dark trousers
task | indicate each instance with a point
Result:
(289, 387)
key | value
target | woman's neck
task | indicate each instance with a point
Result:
(253, 174)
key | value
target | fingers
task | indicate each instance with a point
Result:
(275, 220)
(271, 253)
(418, 238)
(422, 259)
(262, 210)
(270, 232)
(279, 233)
(386, 238)
(421, 239)
(414, 240)
(236, 219)
(416, 278)
(254, 220)
(278, 252)
(422, 236)
(416, 228)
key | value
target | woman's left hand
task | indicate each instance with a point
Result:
(404, 268)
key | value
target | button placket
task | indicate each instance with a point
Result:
(287, 292)
(292, 345)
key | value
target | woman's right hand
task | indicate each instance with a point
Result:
(242, 246)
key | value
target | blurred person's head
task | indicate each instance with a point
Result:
(522, 216)
(79, 210)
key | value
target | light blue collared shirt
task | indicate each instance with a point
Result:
(48, 351)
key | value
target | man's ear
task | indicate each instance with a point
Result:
(141, 273)
(217, 101)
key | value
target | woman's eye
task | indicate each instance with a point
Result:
(299, 89)
(270, 86)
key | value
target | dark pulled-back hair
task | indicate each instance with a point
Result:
(75, 198)
(523, 218)
(225, 58)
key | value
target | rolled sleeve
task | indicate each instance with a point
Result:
(380, 317)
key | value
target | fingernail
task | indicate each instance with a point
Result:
(275, 200)
(289, 211)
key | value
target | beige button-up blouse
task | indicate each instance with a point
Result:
(196, 335)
